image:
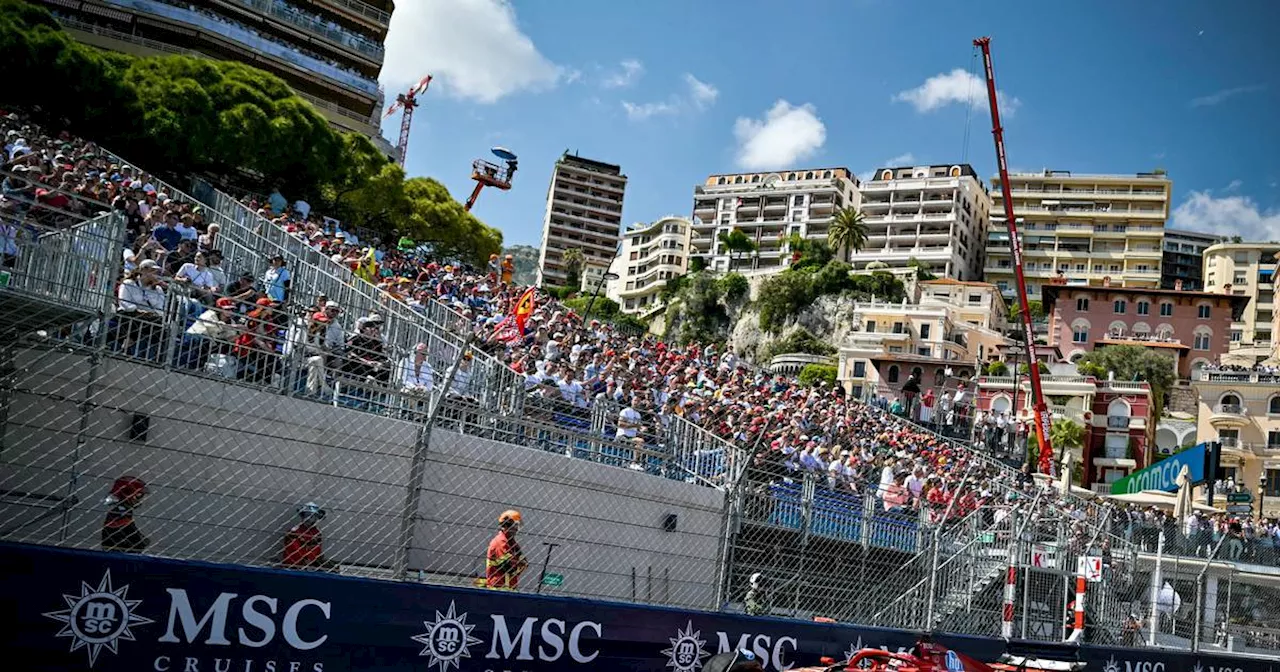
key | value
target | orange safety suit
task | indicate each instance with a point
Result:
(504, 563)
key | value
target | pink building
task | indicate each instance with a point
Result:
(1192, 328)
(1115, 415)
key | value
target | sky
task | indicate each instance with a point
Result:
(674, 91)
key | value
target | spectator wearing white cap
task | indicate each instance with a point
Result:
(416, 374)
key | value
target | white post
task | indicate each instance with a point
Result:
(1157, 579)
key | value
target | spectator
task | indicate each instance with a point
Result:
(214, 329)
(275, 281)
(141, 303)
(325, 345)
(416, 374)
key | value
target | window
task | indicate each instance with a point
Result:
(1203, 312)
(1273, 406)
(871, 326)
(897, 328)
(1082, 303)
(893, 374)
(924, 331)
(859, 369)
(925, 351)
(1273, 438)
(1166, 309)
(1080, 335)
(975, 299)
(1144, 308)
(1272, 488)
(1236, 336)
(1201, 342)
(1119, 306)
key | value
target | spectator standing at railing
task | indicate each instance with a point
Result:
(325, 343)
(276, 279)
(256, 344)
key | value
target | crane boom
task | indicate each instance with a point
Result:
(1041, 409)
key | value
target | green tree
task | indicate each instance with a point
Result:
(813, 375)
(1066, 433)
(783, 296)
(736, 242)
(734, 286)
(603, 308)
(922, 269)
(573, 263)
(699, 311)
(995, 368)
(1036, 306)
(438, 220)
(848, 231)
(1132, 363)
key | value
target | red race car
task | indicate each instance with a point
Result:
(925, 656)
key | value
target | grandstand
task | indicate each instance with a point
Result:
(663, 474)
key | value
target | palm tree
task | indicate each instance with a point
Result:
(736, 241)
(573, 261)
(847, 232)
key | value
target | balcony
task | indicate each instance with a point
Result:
(357, 9)
(1228, 416)
(313, 24)
(1235, 377)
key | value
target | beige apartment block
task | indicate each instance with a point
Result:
(1249, 269)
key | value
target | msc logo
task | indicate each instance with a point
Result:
(686, 653)
(98, 618)
(447, 640)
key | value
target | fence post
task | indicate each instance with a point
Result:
(417, 470)
(1157, 581)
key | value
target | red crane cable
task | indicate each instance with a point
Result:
(1042, 417)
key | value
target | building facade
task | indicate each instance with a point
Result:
(1183, 259)
(1241, 409)
(584, 211)
(1191, 328)
(1246, 269)
(329, 51)
(1114, 414)
(1089, 227)
(768, 208)
(651, 255)
(937, 215)
(943, 338)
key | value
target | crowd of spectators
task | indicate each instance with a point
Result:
(1246, 539)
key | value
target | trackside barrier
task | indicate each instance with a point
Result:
(77, 610)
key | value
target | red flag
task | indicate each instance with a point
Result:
(523, 309)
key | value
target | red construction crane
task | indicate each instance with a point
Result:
(1041, 409)
(408, 101)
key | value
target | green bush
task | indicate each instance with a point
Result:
(782, 297)
(800, 340)
(995, 369)
(561, 293)
(734, 286)
(603, 308)
(814, 374)
(833, 278)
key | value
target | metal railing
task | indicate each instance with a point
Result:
(73, 268)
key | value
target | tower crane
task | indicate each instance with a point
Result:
(407, 101)
(1042, 417)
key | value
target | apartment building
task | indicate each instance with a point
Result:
(584, 211)
(329, 51)
(945, 336)
(938, 215)
(1183, 261)
(1246, 269)
(769, 208)
(1191, 328)
(1116, 415)
(1087, 227)
(1241, 410)
(651, 255)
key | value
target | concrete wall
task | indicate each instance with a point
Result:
(227, 465)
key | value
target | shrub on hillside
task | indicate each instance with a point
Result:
(813, 374)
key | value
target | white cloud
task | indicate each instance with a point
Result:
(958, 86)
(642, 111)
(474, 48)
(1218, 97)
(786, 134)
(901, 160)
(627, 73)
(1232, 215)
(701, 93)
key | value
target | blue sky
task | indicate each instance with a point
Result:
(675, 91)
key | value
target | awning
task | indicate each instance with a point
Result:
(1164, 500)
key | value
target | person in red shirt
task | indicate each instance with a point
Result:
(303, 543)
(505, 562)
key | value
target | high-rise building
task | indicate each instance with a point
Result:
(584, 211)
(1082, 228)
(651, 255)
(329, 51)
(1249, 269)
(768, 208)
(936, 215)
(1183, 258)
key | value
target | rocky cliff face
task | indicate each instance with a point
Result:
(830, 318)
